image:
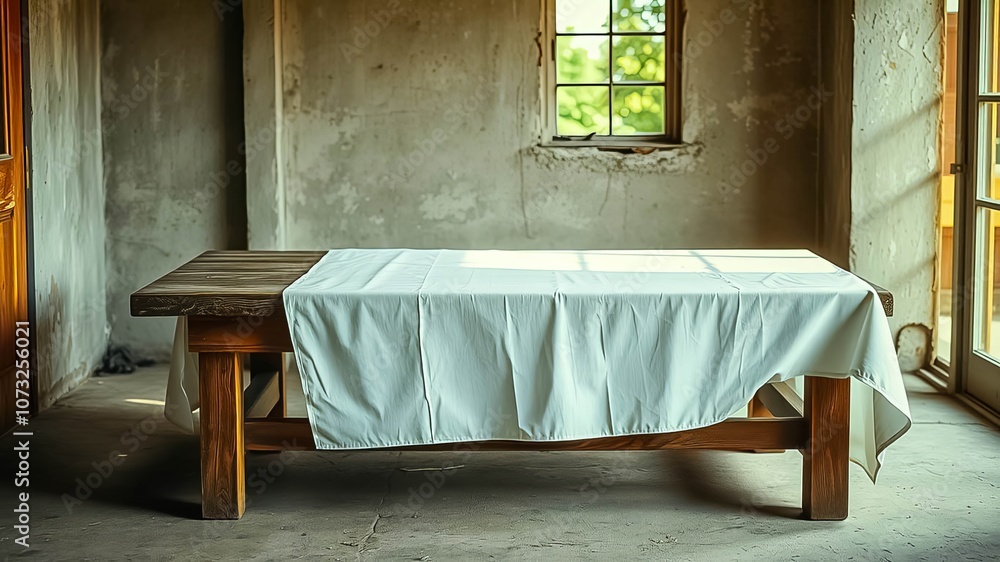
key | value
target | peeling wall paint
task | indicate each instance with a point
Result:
(168, 175)
(427, 134)
(896, 136)
(67, 194)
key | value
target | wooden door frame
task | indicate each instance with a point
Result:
(14, 66)
(968, 132)
(29, 223)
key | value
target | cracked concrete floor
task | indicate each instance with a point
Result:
(937, 497)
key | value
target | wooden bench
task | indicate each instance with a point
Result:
(233, 305)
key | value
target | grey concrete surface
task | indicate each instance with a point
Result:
(937, 498)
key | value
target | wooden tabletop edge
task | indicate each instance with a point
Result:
(149, 302)
(884, 295)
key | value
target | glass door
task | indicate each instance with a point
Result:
(981, 221)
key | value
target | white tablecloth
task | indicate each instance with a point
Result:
(401, 347)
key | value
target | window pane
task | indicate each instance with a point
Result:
(582, 16)
(583, 110)
(638, 110)
(987, 310)
(989, 151)
(639, 58)
(581, 59)
(990, 48)
(640, 15)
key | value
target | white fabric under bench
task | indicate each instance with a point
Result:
(402, 347)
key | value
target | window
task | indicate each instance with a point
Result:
(613, 72)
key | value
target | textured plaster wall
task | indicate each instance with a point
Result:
(67, 193)
(896, 136)
(416, 123)
(174, 181)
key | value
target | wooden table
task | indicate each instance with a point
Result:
(233, 304)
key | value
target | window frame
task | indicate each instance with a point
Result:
(673, 85)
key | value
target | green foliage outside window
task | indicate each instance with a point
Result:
(624, 59)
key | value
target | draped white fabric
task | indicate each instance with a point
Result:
(401, 347)
(182, 381)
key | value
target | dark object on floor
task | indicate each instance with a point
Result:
(121, 360)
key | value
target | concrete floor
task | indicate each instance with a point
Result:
(937, 498)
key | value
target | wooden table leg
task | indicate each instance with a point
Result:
(826, 458)
(270, 363)
(223, 485)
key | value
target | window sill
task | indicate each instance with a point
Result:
(624, 146)
(598, 158)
